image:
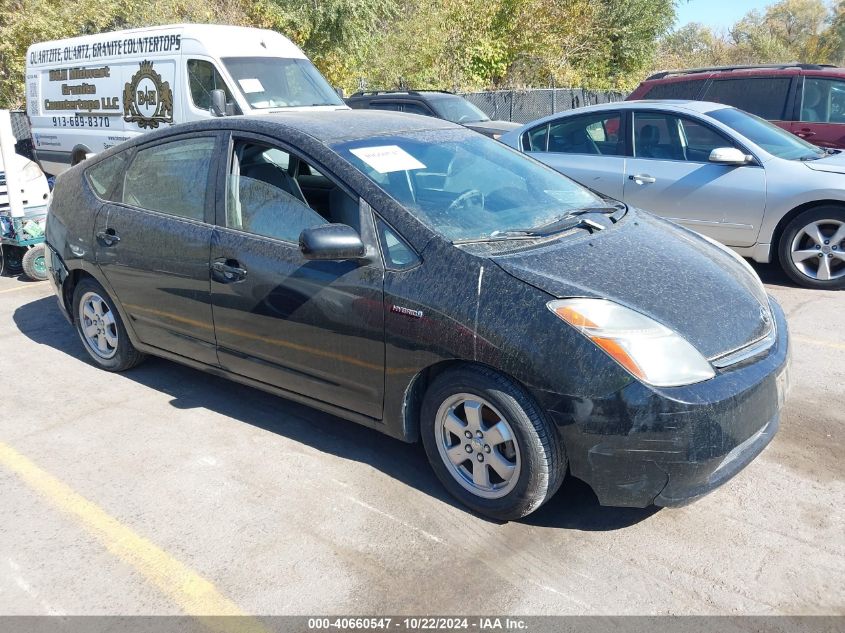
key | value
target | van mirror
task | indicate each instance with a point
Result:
(340, 93)
(331, 242)
(218, 103)
(729, 156)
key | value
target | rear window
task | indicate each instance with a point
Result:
(763, 96)
(675, 90)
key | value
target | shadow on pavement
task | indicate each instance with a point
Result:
(574, 507)
(773, 274)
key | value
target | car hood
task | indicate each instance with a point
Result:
(835, 163)
(492, 127)
(702, 291)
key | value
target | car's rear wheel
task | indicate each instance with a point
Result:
(812, 248)
(489, 444)
(101, 329)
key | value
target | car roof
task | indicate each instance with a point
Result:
(327, 126)
(681, 105)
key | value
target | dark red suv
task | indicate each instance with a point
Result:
(806, 99)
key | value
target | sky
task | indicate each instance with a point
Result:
(718, 14)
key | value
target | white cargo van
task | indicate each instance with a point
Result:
(88, 93)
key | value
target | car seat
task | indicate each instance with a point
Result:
(276, 177)
(344, 209)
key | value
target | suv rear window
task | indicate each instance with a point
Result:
(763, 96)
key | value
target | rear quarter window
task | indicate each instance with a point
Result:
(105, 176)
(675, 90)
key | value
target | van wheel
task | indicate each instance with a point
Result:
(812, 248)
(101, 329)
(35, 263)
(489, 444)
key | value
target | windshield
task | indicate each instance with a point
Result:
(457, 109)
(277, 82)
(466, 186)
(771, 138)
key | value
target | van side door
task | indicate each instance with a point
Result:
(152, 241)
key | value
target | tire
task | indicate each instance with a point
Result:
(479, 398)
(35, 263)
(812, 248)
(108, 343)
(10, 262)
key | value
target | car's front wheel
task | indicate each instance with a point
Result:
(101, 329)
(812, 248)
(489, 444)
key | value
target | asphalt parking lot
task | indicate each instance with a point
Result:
(167, 491)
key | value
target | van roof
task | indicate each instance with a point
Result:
(220, 40)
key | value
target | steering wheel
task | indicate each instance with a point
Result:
(463, 201)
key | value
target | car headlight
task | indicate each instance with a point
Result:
(650, 351)
(31, 172)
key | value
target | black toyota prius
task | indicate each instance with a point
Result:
(413, 276)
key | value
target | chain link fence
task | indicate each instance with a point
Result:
(523, 106)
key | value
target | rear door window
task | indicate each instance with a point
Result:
(599, 133)
(172, 177)
(764, 96)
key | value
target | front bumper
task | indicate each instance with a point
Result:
(644, 445)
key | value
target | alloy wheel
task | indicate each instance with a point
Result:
(817, 250)
(98, 326)
(478, 446)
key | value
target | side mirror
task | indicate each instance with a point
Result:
(331, 242)
(340, 93)
(729, 156)
(218, 103)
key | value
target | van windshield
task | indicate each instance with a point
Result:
(277, 82)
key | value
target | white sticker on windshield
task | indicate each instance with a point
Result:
(251, 85)
(387, 158)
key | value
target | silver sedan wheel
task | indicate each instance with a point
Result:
(477, 445)
(99, 330)
(817, 250)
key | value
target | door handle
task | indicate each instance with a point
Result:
(642, 179)
(108, 237)
(806, 133)
(228, 271)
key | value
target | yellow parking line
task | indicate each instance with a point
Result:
(197, 596)
(24, 287)
(813, 341)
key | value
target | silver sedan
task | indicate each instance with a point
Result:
(717, 170)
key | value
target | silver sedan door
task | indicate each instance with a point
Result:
(588, 148)
(670, 174)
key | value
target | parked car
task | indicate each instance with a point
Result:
(418, 278)
(712, 168)
(436, 103)
(88, 93)
(805, 99)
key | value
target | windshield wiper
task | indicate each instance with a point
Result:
(572, 220)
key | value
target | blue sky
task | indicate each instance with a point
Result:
(716, 13)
